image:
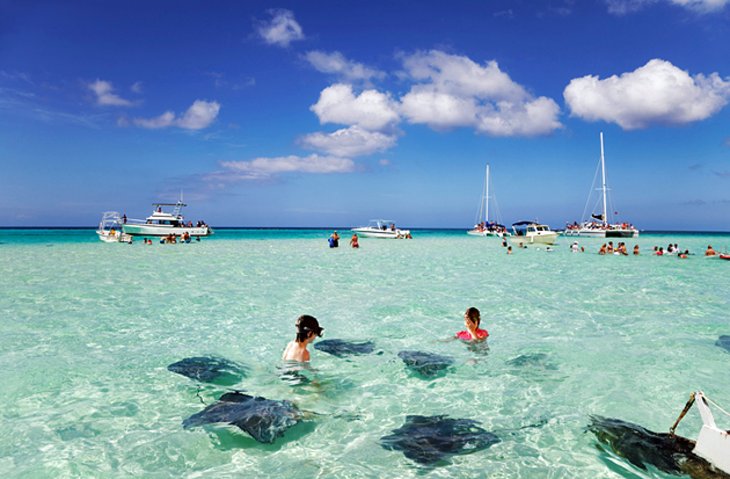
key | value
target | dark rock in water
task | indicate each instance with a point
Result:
(642, 448)
(264, 419)
(724, 342)
(429, 440)
(209, 370)
(341, 348)
(534, 360)
(425, 364)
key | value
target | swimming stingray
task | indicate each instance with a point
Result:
(341, 348)
(724, 342)
(429, 440)
(425, 364)
(642, 448)
(264, 419)
(209, 370)
(533, 360)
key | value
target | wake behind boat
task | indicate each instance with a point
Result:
(162, 223)
(485, 227)
(382, 229)
(599, 226)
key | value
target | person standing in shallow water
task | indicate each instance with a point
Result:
(472, 319)
(334, 240)
(354, 241)
(308, 329)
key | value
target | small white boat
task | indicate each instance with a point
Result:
(162, 223)
(382, 229)
(110, 228)
(599, 226)
(713, 443)
(486, 228)
(530, 232)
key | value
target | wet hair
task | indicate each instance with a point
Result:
(473, 314)
(306, 326)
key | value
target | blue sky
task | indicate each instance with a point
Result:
(330, 113)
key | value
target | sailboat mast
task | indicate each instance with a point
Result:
(486, 197)
(603, 183)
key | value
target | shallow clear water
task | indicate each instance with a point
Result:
(88, 330)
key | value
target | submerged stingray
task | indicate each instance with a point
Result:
(429, 440)
(209, 370)
(264, 419)
(534, 360)
(642, 448)
(724, 342)
(428, 365)
(341, 348)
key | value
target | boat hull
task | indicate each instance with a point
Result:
(598, 233)
(165, 230)
(487, 234)
(545, 238)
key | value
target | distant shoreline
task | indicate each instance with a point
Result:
(330, 228)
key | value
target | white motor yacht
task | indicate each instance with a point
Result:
(382, 229)
(599, 226)
(110, 228)
(162, 223)
(529, 232)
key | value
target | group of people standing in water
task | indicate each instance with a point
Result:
(334, 240)
(308, 329)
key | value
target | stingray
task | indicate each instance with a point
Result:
(425, 364)
(430, 440)
(534, 360)
(643, 448)
(724, 342)
(209, 370)
(264, 419)
(342, 348)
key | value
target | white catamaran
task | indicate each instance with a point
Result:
(599, 226)
(485, 227)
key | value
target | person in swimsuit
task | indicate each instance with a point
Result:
(353, 241)
(308, 329)
(472, 318)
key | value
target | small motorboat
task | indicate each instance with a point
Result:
(532, 232)
(111, 228)
(382, 229)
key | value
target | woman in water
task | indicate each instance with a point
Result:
(307, 330)
(472, 333)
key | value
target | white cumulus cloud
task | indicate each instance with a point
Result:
(371, 109)
(427, 105)
(454, 91)
(263, 167)
(281, 29)
(656, 93)
(105, 95)
(459, 75)
(349, 142)
(335, 63)
(200, 115)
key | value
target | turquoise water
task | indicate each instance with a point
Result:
(88, 330)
